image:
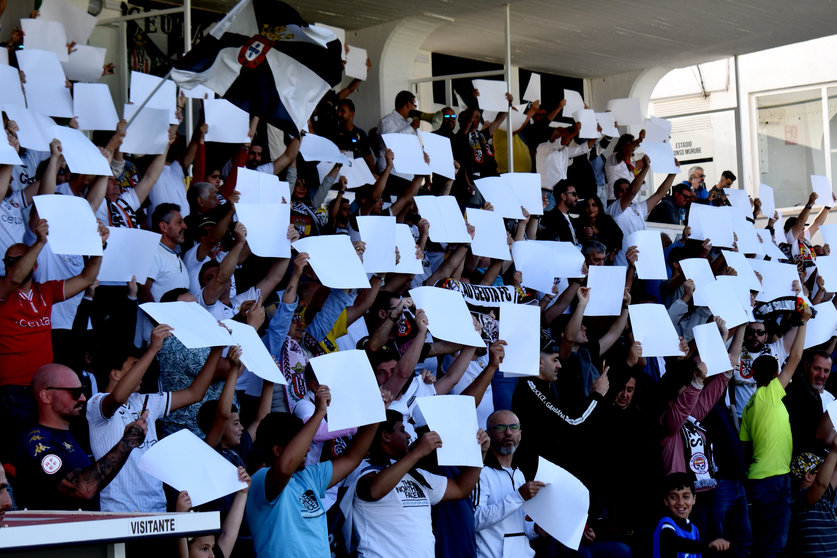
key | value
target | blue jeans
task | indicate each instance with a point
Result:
(770, 499)
(729, 517)
(502, 388)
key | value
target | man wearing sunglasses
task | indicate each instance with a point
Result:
(53, 471)
(755, 345)
(448, 124)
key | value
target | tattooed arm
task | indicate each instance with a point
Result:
(87, 483)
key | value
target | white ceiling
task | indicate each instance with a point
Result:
(590, 38)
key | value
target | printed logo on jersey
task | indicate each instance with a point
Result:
(51, 464)
(309, 507)
(699, 464)
(412, 494)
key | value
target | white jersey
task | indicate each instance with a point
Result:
(499, 519)
(486, 406)
(131, 490)
(170, 188)
(742, 380)
(12, 223)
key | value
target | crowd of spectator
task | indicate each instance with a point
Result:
(677, 463)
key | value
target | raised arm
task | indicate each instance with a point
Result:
(375, 486)
(232, 521)
(349, 460)
(197, 389)
(225, 401)
(799, 226)
(500, 118)
(819, 220)
(574, 325)
(660, 193)
(286, 158)
(795, 354)
(454, 373)
(618, 326)
(265, 403)
(75, 285)
(407, 364)
(628, 197)
(216, 286)
(477, 388)
(152, 174)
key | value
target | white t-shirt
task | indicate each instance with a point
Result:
(630, 220)
(170, 188)
(221, 311)
(132, 489)
(24, 175)
(614, 170)
(744, 385)
(168, 272)
(406, 405)
(486, 406)
(128, 197)
(399, 520)
(12, 223)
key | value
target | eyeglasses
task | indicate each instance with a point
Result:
(759, 332)
(448, 116)
(296, 319)
(573, 193)
(75, 392)
(500, 428)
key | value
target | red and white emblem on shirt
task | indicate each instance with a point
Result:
(51, 464)
(253, 52)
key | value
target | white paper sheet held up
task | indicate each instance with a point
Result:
(741, 265)
(748, 241)
(12, 92)
(821, 327)
(574, 103)
(827, 267)
(448, 316)
(148, 134)
(355, 395)
(740, 201)
(439, 150)
(490, 237)
(8, 155)
(713, 223)
(454, 419)
(768, 202)
(777, 279)
(260, 187)
(33, 128)
(267, 228)
(357, 174)
(185, 462)
(770, 249)
(227, 122)
(4, 57)
(657, 130)
(129, 252)
(73, 229)
(446, 221)
(165, 98)
(520, 329)
(254, 354)
(726, 303)
(318, 148)
(650, 263)
(492, 95)
(653, 328)
(533, 88)
(829, 234)
(699, 271)
(607, 287)
(85, 64)
(662, 157)
(191, 323)
(608, 124)
(738, 287)
(589, 125)
(45, 87)
(406, 244)
(626, 112)
(527, 189)
(78, 24)
(93, 106)
(81, 155)
(497, 192)
(542, 262)
(378, 232)
(560, 508)
(356, 63)
(408, 157)
(711, 348)
(822, 187)
(334, 260)
(43, 34)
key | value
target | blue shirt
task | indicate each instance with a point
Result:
(294, 523)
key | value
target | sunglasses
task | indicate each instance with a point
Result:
(75, 392)
(500, 428)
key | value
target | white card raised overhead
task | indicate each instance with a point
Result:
(657, 130)
(574, 103)
(520, 329)
(770, 249)
(492, 95)
(78, 24)
(185, 462)
(822, 326)
(254, 354)
(446, 221)
(541, 262)
(527, 189)
(130, 252)
(653, 328)
(191, 323)
(261, 187)
(496, 191)
(454, 419)
(439, 150)
(726, 304)
(43, 34)
(626, 112)
(741, 265)
(827, 268)
(227, 123)
(777, 279)
(711, 223)
(608, 124)
(8, 155)
(12, 92)
(650, 263)
(561, 507)
(406, 244)
(33, 128)
(607, 287)
(93, 107)
(355, 395)
(662, 157)
(821, 186)
(45, 87)
(73, 229)
(533, 88)
(768, 202)
(85, 64)
(711, 348)
(589, 125)
(356, 63)
(165, 98)
(408, 156)
(490, 237)
(267, 228)
(318, 148)
(80, 154)
(829, 234)
(378, 232)
(148, 134)
(334, 260)
(700, 272)
(448, 317)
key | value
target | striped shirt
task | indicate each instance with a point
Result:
(814, 528)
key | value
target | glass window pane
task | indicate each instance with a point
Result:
(790, 143)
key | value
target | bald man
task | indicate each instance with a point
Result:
(54, 472)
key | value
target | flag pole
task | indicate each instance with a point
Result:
(145, 101)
